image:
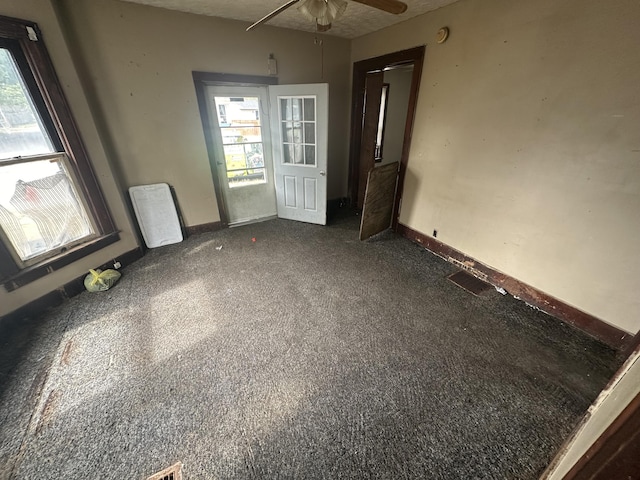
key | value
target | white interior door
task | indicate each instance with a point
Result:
(242, 139)
(299, 122)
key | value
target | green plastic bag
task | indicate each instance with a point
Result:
(99, 281)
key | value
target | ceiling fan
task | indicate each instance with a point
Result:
(324, 12)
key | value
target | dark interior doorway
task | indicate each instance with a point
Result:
(367, 85)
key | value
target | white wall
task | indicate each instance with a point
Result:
(139, 60)
(41, 12)
(525, 151)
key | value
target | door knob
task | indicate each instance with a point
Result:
(322, 173)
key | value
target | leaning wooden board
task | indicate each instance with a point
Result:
(378, 200)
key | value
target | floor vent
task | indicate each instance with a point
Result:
(174, 472)
(469, 266)
(470, 283)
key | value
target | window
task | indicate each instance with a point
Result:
(298, 122)
(241, 132)
(51, 209)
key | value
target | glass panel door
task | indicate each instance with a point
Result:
(241, 137)
(300, 119)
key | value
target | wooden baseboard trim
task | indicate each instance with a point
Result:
(606, 333)
(203, 228)
(68, 290)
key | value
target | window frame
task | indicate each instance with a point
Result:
(302, 122)
(24, 40)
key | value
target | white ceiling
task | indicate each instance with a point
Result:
(358, 19)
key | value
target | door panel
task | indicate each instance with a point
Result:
(241, 133)
(378, 201)
(310, 194)
(373, 93)
(299, 122)
(290, 191)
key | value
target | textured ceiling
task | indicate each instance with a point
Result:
(358, 20)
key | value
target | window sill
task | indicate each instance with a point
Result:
(34, 272)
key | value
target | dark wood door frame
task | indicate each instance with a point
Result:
(616, 453)
(413, 56)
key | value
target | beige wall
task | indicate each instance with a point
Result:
(42, 12)
(139, 59)
(525, 152)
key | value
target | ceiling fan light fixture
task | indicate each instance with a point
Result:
(323, 12)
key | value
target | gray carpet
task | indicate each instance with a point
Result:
(304, 354)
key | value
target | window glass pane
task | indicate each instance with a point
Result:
(287, 132)
(39, 209)
(234, 135)
(297, 132)
(310, 109)
(239, 121)
(21, 130)
(253, 153)
(237, 111)
(234, 157)
(310, 133)
(240, 161)
(285, 109)
(309, 155)
(296, 108)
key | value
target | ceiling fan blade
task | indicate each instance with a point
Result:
(277, 11)
(392, 6)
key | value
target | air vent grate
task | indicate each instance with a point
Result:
(174, 472)
(470, 283)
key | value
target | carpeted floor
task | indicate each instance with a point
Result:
(304, 354)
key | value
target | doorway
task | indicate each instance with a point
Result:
(267, 147)
(369, 94)
(242, 152)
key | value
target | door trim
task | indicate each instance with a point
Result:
(370, 124)
(201, 80)
(614, 453)
(360, 70)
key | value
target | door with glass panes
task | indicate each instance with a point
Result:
(299, 121)
(242, 141)
(256, 185)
